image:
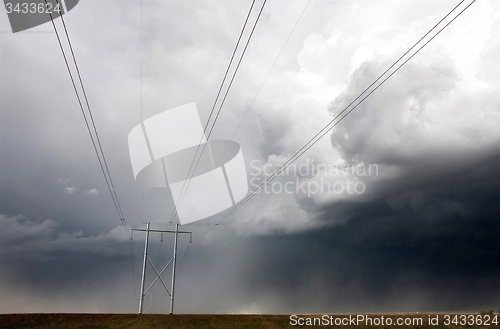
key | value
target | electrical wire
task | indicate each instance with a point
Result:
(236, 71)
(97, 146)
(332, 123)
(183, 191)
(174, 212)
(258, 91)
(189, 174)
(268, 73)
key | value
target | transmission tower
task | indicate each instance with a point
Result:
(158, 274)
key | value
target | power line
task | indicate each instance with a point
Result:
(190, 174)
(120, 212)
(98, 146)
(228, 67)
(329, 126)
(268, 73)
(212, 111)
(262, 84)
(236, 71)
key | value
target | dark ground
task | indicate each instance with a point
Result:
(188, 321)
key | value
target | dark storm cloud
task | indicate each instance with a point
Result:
(425, 129)
(424, 237)
(33, 251)
(34, 239)
(43, 270)
(439, 256)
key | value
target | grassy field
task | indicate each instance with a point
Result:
(188, 321)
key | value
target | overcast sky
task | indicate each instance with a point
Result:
(418, 230)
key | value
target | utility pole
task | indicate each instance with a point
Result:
(173, 260)
(173, 270)
(143, 277)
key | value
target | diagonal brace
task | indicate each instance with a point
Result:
(158, 276)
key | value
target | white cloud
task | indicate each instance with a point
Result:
(70, 190)
(440, 111)
(92, 192)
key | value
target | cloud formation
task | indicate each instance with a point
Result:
(422, 236)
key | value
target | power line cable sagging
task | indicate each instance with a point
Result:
(199, 154)
(261, 85)
(94, 136)
(403, 59)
